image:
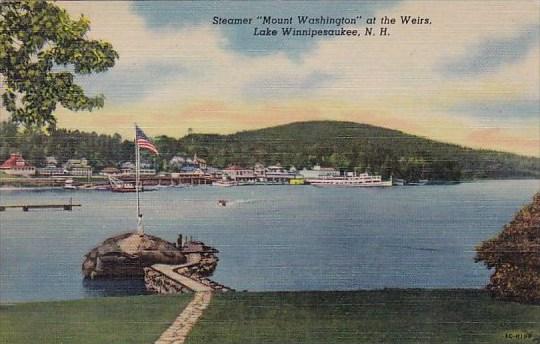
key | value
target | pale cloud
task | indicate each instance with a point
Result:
(395, 81)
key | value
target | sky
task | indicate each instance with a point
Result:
(471, 77)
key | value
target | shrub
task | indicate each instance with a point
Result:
(515, 255)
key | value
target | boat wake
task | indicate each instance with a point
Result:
(414, 248)
(238, 202)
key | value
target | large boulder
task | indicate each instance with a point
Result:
(126, 255)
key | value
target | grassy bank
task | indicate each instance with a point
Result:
(133, 320)
(389, 316)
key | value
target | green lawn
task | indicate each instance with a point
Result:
(111, 320)
(390, 316)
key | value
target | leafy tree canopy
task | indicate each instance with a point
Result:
(39, 47)
(514, 254)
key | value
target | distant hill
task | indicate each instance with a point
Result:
(344, 145)
(349, 145)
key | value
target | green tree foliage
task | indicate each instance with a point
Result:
(41, 48)
(515, 255)
(335, 144)
(100, 150)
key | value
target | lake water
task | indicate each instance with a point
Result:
(270, 237)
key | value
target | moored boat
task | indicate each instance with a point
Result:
(398, 182)
(225, 183)
(118, 185)
(68, 185)
(297, 181)
(420, 182)
(353, 180)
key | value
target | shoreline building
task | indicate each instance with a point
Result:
(239, 174)
(201, 163)
(51, 168)
(128, 169)
(78, 168)
(17, 166)
(180, 163)
(110, 171)
(260, 172)
(276, 174)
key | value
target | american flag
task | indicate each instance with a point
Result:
(143, 141)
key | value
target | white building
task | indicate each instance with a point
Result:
(239, 174)
(260, 171)
(51, 169)
(110, 171)
(51, 160)
(78, 167)
(179, 162)
(278, 174)
(128, 169)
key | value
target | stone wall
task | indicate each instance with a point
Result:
(201, 262)
(158, 283)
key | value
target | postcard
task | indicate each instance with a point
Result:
(269, 172)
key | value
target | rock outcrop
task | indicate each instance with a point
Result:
(126, 255)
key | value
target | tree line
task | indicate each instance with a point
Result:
(343, 145)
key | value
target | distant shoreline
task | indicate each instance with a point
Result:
(20, 184)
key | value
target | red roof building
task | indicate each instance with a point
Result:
(16, 165)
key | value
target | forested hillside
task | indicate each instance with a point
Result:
(350, 145)
(344, 145)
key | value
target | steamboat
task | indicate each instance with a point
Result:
(351, 180)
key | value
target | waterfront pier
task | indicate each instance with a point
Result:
(26, 207)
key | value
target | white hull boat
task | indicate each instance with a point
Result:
(361, 180)
(225, 183)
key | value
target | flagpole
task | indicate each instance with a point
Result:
(140, 228)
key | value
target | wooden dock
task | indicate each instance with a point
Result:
(25, 207)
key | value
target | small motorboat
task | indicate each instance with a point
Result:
(420, 182)
(68, 185)
(398, 182)
(222, 203)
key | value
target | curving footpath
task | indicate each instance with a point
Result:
(178, 331)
